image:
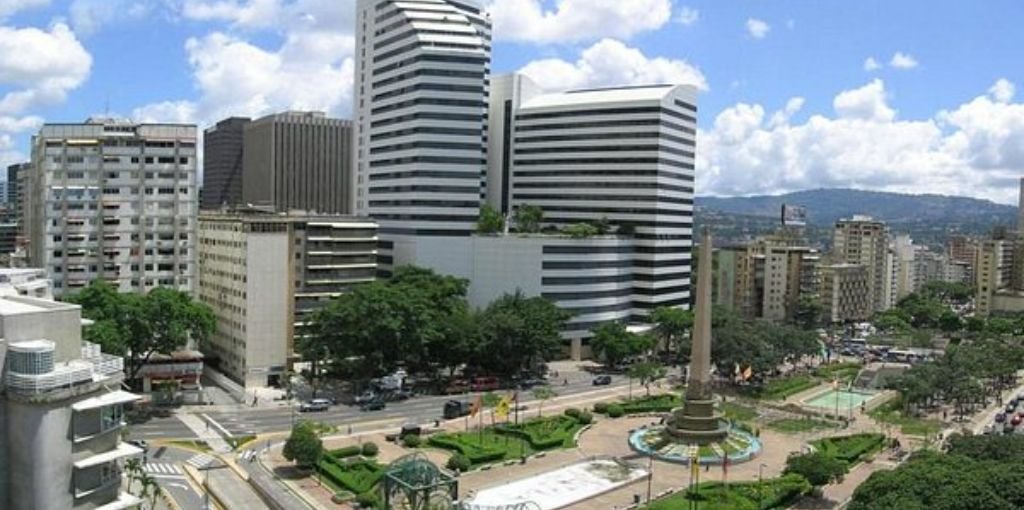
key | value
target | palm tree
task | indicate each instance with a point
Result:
(150, 490)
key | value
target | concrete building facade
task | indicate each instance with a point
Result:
(845, 292)
(15, 175)
(223, 150)
(296, 160)
(115, 201)
(61, 414)
(263, 274)
(766, 278)
(864, 241)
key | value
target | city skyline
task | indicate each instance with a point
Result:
(892, 105)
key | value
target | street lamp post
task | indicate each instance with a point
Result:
(650, 474)
(760, 486)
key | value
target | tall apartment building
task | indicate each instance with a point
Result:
(115, 201)
(61, 416)
(15, 176)
(845, 292)
(766, 278)
(863, 240)
(262, 274)
(297, 160)
(420, 104)
(222, 163)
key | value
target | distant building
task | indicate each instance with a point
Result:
(297, 160)
(766, 278)
(15, 176)
(223, 150)
(61, 412)
(263, 274)
(115, 201)
(8, 238)
(845, 292)
(864, 241)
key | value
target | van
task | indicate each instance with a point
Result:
(456, 409)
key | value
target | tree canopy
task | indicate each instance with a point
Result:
(762, 345)
(528, 218)
(613, 343)
(491, 221)
(303, 446)
(138, 326)
(816, 467)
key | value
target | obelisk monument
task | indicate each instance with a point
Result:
(698, 421)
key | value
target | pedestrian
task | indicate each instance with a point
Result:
(566, 382)
(350, 429)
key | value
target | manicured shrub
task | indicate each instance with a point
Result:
(601, 408)
(348, 451)
(370, 449)
(616, 411)
(411, 441)
(459, 462)
(585, 418)
(368, 500)
(572, 412)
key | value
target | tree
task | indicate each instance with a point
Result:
(543, 394)
(303, 446)
(646, 372)
(528, 218)
(950, 322)
(517, 332)
(673, 325)
(807, 313)
(816, 467)
(138, 326)
(491, 221)
(613, 343)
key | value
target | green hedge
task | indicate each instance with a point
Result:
(545, 433)
(850, 449)
(777, 493)
(348, 451)
(477, 454)
(652, 404)
(359, 476)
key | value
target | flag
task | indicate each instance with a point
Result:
(748, 373)
(476, 406)
(504, 406)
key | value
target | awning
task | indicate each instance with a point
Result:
(124, 500)
(109, 399)
(122, 450)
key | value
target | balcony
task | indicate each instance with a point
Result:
(93, 367)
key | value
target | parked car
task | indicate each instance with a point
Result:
(485, 384)
(373, 405)
(1010, 408)
(1001, 417)
(532, 382)
(602, 380)
(456, 409)
(1015, 421)
(315, 405)
(367, 396)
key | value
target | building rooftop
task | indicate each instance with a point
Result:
(14, 305)
(605, 95)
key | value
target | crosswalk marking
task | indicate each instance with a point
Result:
(201, 460)
(160, 468)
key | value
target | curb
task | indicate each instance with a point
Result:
(193, 473)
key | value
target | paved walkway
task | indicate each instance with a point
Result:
(205, 431)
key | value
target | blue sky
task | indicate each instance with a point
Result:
(790, 99)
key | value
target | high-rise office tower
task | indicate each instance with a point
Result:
(13, 196)
(420, 100)
(297, 160)
(863, 240)
(621, 155)
(115, 201)
(222, 163)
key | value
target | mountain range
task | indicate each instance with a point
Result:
(929, 219)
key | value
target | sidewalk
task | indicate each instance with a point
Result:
(205, 432)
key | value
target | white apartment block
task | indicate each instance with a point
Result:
(29, 282)
(61, 412)
(420, 101)
(115, 201)
(863, 240)
(263, 274)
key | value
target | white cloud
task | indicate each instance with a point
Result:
(865, 103)
(310, 71)
(687, 16)
(8, 7)
(758, 29)
(576, 20)
(902, 60)
(41, 67)
(870, 64)
(974, 149)
(781, 117)
(611, 63)
(333, 15)
(1003, 90)
(20, 124)
(88, 16)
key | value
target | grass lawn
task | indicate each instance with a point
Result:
(738, 412)
(197, 445)
(773, 493)
(846, 372)
(798, 425)
(892, 413)
(652, 404)
(780, 389)
(850, 449)
(240, 441)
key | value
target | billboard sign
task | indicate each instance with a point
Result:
(794, 215)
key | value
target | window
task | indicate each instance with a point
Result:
(111, 417)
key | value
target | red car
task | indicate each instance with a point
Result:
(1016, 420)
(485, 384)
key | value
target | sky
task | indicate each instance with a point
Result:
(910, 96)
